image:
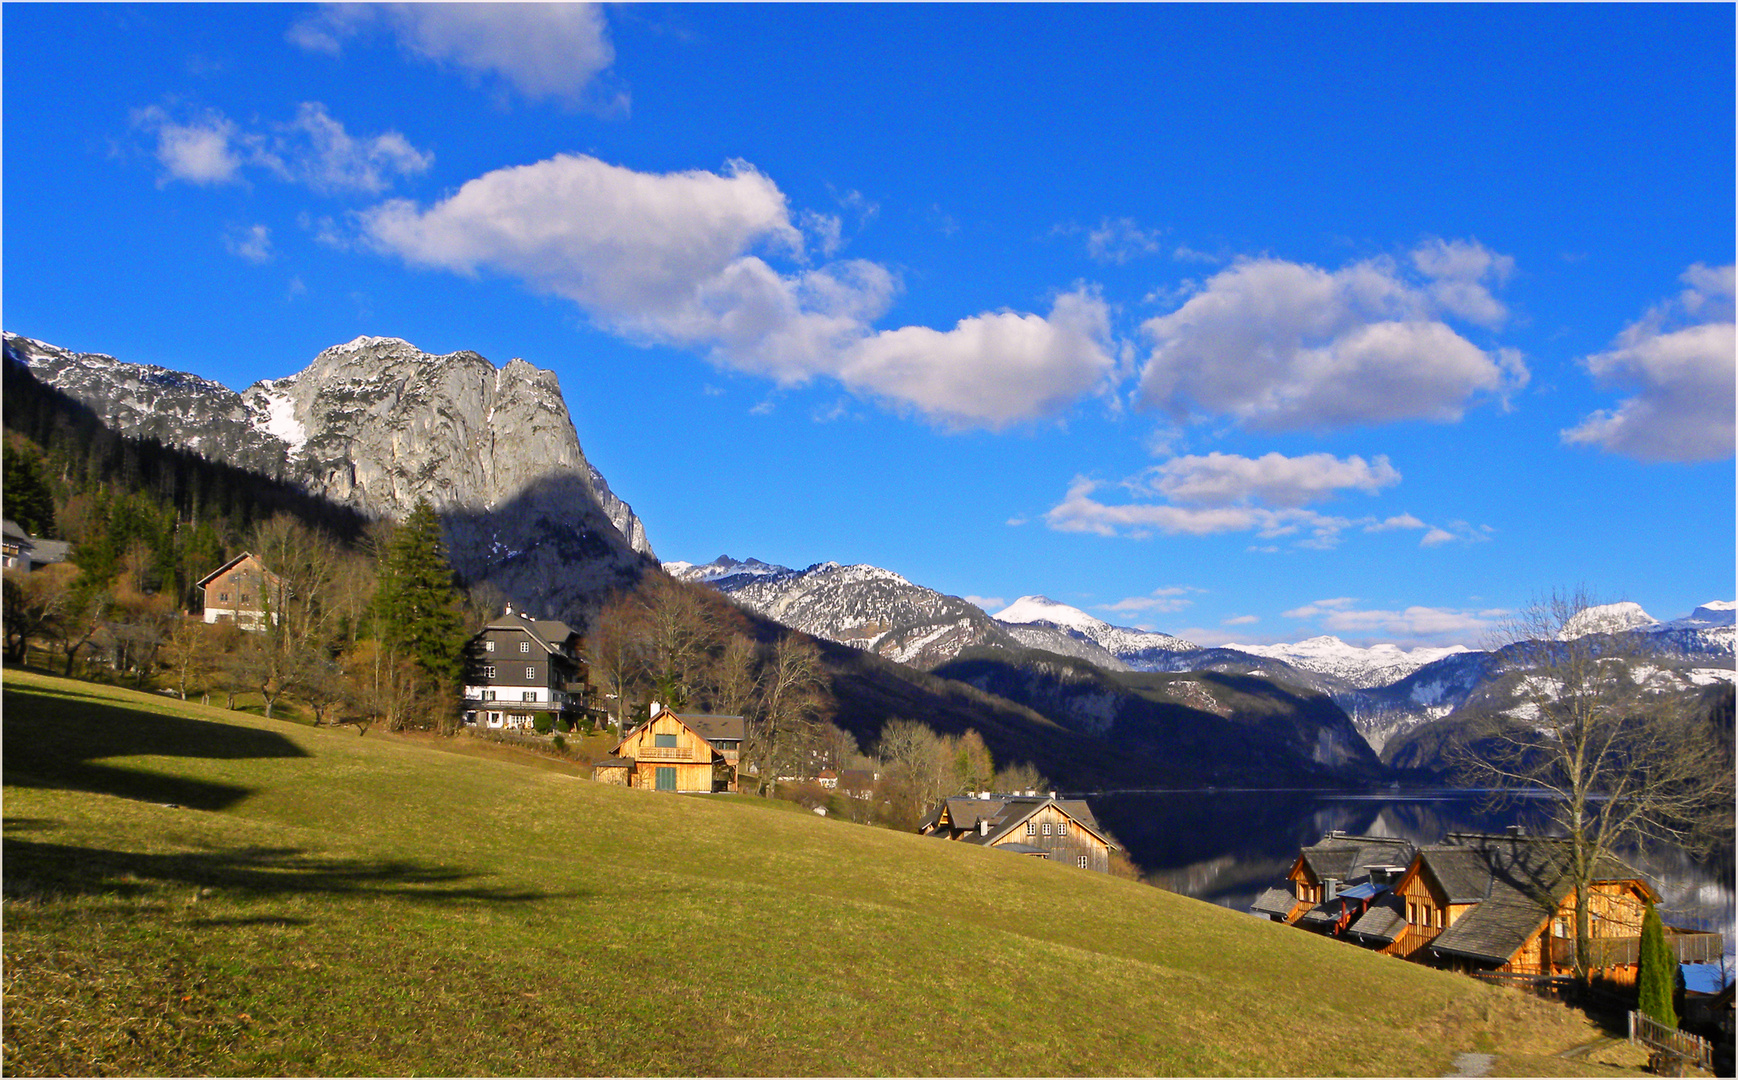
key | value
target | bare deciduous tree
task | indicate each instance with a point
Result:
(1613, 762)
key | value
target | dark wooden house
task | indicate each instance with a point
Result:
(1331, 884)
(518, 668)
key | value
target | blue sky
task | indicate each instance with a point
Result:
(1244, 323)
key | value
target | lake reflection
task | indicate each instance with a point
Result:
(1227, 846)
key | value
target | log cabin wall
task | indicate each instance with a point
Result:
(1063, 837)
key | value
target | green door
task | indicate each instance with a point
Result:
(666, 778)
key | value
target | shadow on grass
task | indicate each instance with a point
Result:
(53, 739)
(36, 870)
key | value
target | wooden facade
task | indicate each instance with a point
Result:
(672, 753)
(241, 591)
(518, 668)
(1060, 830)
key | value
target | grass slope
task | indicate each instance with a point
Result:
(322, 903)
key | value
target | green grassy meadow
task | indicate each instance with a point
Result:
(314, 902)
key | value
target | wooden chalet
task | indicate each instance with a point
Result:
(16, 546)
(1333, 883)
(518, 667)
(1483, 903)
(682, 753)
(242, 591)
(1045, 827)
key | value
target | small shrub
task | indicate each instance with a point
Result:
(542, 724)
(563, 724)
(559, 743)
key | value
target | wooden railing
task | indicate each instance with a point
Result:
(1648, 1032)
(664, 753)
(1689, 946)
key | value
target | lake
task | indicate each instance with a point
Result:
(1227, 846)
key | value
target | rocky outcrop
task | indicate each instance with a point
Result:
(378, 424)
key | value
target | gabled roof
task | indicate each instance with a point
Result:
(1515, 884)
(551, 634)
(710, 728)
(14, 534)
(230, 565)
(1004, 815)
(1384, 921)
(1275, 901)
(1349, 858)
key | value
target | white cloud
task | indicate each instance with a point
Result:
(542, 50)
(1241, 620)
(1163, 600)
(681, 259)
(986, 603)
(1682, 377)
(200, 151)
(1121, 239)
(1226, 493)
(1412, 625)
(1279, 345)
(253, 243)
(313, 149)
(1274, 479)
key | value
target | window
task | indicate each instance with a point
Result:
(1046, 828)
(488, 671)
(1083, 861)
(488, 646)
(666, 778)
(664, 740)
(223, 597)
(488, 695)
(524, 646)
(243, 598)
(1436, 916)
(530, 672)
(529, 695)
(1031, 828)
(1062, 828)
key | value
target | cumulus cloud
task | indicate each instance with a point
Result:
(1280, 346)
(200, 150)
(682, 259)
(1228, 493)
(312, 149)
(1678, 360)
(541, 50)
(1273, 478)
(1120, 239)
(986, 603)
(1241, 620)
(1412, 625)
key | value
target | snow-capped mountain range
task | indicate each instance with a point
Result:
(1384, 688)
(378, 424)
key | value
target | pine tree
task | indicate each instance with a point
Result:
(29, 502)
(416, 602)
(1657, 978)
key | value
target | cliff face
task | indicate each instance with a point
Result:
(378, 424)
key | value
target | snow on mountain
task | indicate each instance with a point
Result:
(1607, 619)
(1377, 665)
(378, 424)
(721, 568)
(1139, 649)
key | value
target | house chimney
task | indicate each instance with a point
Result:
(509, 610)
(1030, 793)
(654, 710)
(983, 826)
(1052, 794)
(1516, 831)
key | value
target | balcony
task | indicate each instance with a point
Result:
(664, 753)
(1689, 946)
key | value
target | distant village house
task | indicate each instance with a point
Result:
(241, 591)
(1041, 826)
(21, 551)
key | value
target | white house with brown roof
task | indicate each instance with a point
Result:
(1042, 826)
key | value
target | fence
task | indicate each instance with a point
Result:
(1692, 1049)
